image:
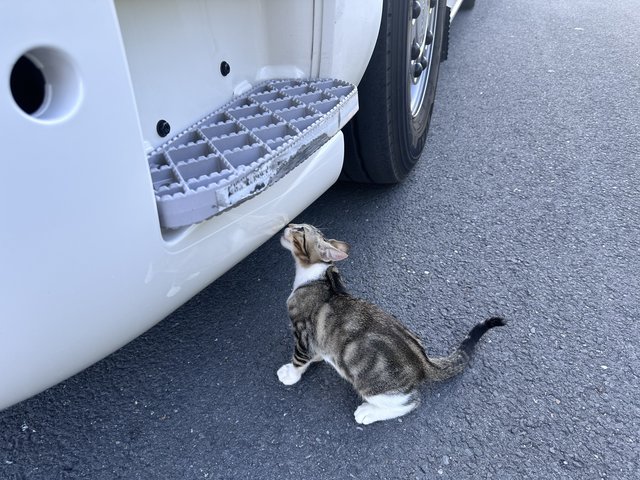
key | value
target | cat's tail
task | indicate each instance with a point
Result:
(442, 368)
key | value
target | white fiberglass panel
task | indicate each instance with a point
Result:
(85, 266)
(349, 30)
(75, 247)
(175, 51)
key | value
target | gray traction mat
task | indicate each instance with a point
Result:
(246, 145)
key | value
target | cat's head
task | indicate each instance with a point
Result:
(308, 245)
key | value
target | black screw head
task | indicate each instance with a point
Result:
(163, 128)
(225, 69)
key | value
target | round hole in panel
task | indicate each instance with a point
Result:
(45, 84)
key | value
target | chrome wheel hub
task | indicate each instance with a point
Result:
(421, 31)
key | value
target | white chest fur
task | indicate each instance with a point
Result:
(308, 274)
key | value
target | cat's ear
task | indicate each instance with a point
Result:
(334, 251)
(342, 246)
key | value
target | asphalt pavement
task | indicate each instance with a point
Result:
(526, 204)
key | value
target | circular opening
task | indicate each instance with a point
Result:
(27, 85)
(45, 84)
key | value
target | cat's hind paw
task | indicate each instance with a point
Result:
(384, 407)
(289, 374)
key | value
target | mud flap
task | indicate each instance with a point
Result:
(444, 54)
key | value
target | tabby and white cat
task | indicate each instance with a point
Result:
(371, 349)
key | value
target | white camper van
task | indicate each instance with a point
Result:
(150, 145)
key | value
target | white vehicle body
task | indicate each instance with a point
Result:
(85, 264)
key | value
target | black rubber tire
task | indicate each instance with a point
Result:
(468, 4)
(384, 141)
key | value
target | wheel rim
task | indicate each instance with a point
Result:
(421, 35)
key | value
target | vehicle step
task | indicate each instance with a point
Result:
(248, 144)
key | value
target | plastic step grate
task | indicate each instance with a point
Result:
(245, 146)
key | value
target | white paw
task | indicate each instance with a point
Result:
(288, 374)
(366, 414)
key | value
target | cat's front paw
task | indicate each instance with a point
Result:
(288, 374)
(366, 414)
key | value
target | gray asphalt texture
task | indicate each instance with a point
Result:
(525, 205)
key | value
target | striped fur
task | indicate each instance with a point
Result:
(371, 349)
